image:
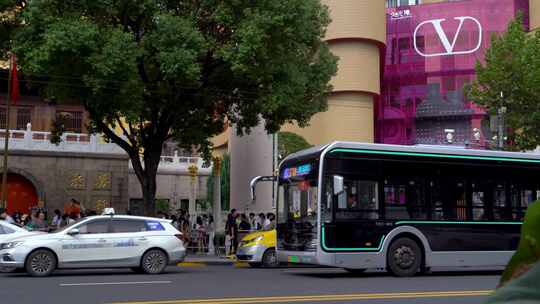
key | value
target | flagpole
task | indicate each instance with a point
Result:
(6, 137)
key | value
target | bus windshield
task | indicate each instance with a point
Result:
(299, 202)
(297, 208)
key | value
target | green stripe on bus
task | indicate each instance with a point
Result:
(458, 222)
(519, 160)
(379, 248)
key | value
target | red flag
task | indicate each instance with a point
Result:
(15, 93)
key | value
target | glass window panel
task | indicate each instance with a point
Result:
(122, 226)
(99, 226)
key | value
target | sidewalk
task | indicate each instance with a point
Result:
(203, 259)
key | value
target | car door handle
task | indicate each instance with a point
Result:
(102, 240)
(142, 239)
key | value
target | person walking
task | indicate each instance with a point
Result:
(57, 219)
(271, 223)
(39, 223)
(232, 231)
(244, 223)
(5, 216)
(253, 221)
(211, 231)
(201, 234)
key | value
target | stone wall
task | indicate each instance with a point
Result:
(96, 180)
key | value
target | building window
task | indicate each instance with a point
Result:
(73, 120)
(396, 3)
(24, 116)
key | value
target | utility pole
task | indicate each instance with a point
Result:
(6, 137)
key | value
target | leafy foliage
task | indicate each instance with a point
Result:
(289, 143)
(512, 66)
(162, 69)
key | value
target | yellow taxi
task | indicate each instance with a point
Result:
(258, 249)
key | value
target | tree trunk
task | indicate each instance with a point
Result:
(148, 187)
(147, 177)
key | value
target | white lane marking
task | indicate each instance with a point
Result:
(114, 283)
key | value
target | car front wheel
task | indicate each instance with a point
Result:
(154, 261)
(269, 259)
(41, 263)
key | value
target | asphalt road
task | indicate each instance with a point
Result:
(228, 284)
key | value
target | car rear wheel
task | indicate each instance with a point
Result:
(41, 263)
(154, 261)
(269, 259)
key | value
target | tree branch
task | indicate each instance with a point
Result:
(126, 133)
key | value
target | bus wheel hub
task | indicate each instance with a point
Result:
(404, 257)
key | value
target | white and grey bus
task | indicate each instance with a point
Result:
(403, 208)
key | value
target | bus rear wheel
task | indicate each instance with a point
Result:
(404, 257)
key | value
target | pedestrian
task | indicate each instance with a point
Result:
(244, 223)
(57, 219)
(5, 216)
(262, 221)
(174, 221)
(201, 234)
(185, 227)
(39, 222)
(211, 231)
(253, 221)
(267, 223)
(232, 231)
(272, 223)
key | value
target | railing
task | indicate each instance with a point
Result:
(71, 142)
(181, 164)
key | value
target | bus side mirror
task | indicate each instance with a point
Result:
(338, 185)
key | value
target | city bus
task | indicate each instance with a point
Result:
(403, 209)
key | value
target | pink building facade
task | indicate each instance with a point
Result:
(431, 54)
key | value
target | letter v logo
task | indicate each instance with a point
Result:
(448, 46)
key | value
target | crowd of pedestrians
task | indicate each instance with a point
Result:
(37, 219)
(240, 223)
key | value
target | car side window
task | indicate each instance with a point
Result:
(93, 227)
(123, 226)
(7, 230)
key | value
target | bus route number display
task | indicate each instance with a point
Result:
(297, 171)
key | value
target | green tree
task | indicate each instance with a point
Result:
(289, 143)
(512, 66)
(225, 182)
(165, 69)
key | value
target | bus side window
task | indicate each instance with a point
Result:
(404, 199)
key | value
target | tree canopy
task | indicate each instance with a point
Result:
(512, 67)
(289, 143)
(178, 70)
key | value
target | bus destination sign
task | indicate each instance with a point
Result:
(297, 171)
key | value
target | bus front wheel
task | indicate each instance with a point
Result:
(404, 257)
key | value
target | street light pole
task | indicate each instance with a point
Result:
(501, 111)
(6, 137)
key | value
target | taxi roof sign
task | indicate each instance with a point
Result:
(108, 211)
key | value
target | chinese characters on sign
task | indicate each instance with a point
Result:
(103, 181)
(77, 181)
(399, 14)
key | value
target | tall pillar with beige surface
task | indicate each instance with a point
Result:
(534, 14)
(356, 35)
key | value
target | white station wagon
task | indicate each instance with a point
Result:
(143, 244)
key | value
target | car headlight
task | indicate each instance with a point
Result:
(258, 239)
(10, 245)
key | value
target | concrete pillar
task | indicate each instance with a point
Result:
(357, 35)
(534, 14)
